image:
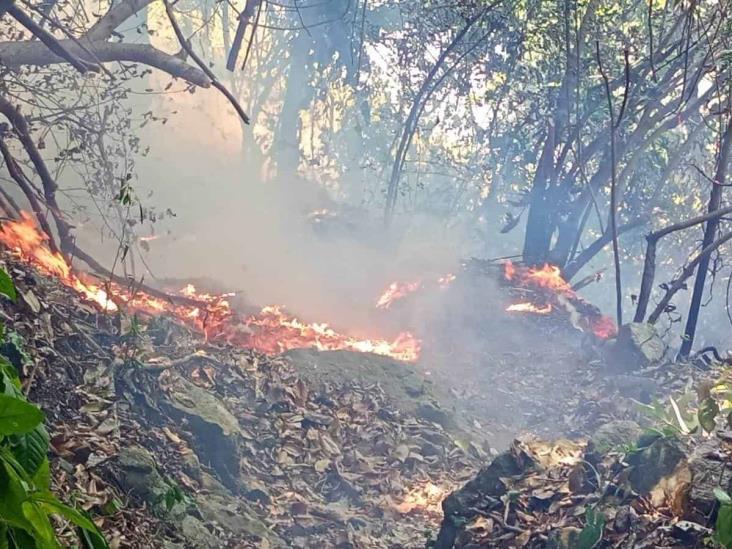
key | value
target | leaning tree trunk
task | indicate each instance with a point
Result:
(710, 231)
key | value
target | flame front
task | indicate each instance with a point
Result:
(269, 331)
(550, 287)
(396, 291)
(528, 307)
(32, 245)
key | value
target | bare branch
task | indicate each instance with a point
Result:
(185, 44)
(50, 41)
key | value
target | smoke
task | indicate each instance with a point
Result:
(243, 231)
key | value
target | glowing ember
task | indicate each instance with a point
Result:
(396, 291)
(270, 331)
(603, 327)
(445, 281)
(529, 307)
(426, 498)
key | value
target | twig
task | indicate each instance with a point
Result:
(185, 44)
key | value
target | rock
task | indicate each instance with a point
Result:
(235, 517)
(216, 430)
(614, 435)
(480, 494)
(660, 470)
(137, 473)
(197, 534)
(707, 473)
(638, 345)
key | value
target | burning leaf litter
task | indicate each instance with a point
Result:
(272, 330)
(231, 443)
(550, 292)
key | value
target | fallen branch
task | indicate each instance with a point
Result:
(20, 178)
(17, 120)
(100, 270)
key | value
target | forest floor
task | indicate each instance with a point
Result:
(172, 441)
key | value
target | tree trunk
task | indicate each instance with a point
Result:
(710, 231)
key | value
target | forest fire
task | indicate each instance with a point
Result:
(399, 290)
(551, 292)
(269, 331)
(396, 291)
(528, 307)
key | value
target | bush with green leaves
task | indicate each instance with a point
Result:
(26, 501)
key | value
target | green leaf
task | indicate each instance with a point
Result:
(591, 534)
(42, 477)
(707, 413)
(4, 543)
(18, 416)
(722, 496)
(42, 527)
(53, 505)
(30, 449)
(22, 539)
(14, 493)
(7, 287)
(723, 526)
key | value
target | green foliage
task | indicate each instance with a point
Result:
(172, 496)
(591, 534)
(723, 526)
(26, 503)
(7, 288)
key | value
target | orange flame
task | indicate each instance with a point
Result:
(269, 331)
(528, 307)
(32, 246)
(396, 291)
(548, 277)
(548, 282)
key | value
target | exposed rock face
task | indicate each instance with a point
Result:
(638, 345)
(483, 493)
(614, 435)
(553, 497)
(215, 429)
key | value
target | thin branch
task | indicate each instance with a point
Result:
(649, 265)
(685, 274)
(185, 44)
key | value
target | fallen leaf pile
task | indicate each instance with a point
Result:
(263, 457)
